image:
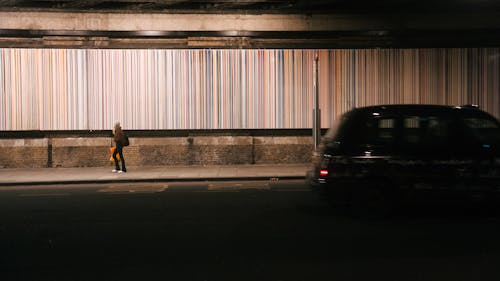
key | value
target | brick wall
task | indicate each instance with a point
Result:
(164, 151)
(80, 152)
(155, 151)
(282, 150)
(23, 153)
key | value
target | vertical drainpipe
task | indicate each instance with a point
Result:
(49, 152)
(190, 153)
(316, 109)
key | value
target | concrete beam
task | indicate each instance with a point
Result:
(35, 20)
(164, 22)
(42, 29)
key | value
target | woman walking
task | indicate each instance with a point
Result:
(119, 138)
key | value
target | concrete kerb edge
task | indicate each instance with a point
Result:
(39, 183)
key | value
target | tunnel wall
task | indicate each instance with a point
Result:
(175, 89)
(235, 90)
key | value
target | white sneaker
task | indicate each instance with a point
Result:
(114, 171)
(119, 172)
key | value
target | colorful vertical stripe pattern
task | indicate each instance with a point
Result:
(90, 89)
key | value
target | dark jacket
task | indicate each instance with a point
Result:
(119, 138)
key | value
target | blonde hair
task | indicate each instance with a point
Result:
(118, 128)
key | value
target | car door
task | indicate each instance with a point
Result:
(425, 154)
(478, 151)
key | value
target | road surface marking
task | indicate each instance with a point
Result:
(238, 186)
(134, 188)
(43, 194)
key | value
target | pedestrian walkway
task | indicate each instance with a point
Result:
(37, 176)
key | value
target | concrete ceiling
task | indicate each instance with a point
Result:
(256, 6)
(249, 23)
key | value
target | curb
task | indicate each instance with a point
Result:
(276, 178)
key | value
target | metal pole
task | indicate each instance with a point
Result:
(316, 109)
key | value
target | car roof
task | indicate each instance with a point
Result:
(401, 108)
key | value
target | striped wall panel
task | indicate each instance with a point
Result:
(85, 89)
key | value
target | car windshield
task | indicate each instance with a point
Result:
(484, 129)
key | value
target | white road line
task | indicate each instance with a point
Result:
(126, 189)
(44, 194)
(238, 186)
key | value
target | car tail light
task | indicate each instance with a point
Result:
(323, 168)
(323, 172)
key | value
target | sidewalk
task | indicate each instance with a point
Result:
(39, 176)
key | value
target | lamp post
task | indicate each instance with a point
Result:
(316, 110)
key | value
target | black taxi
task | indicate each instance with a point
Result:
(388, 154)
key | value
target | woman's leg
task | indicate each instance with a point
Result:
(117, 166)
(122, 159)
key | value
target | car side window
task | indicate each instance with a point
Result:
(425, 131)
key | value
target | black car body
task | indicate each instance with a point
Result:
(404, 153)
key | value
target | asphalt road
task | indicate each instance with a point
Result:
(232, 231)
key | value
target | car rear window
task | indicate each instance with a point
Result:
(364, 128)
(378, 130)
